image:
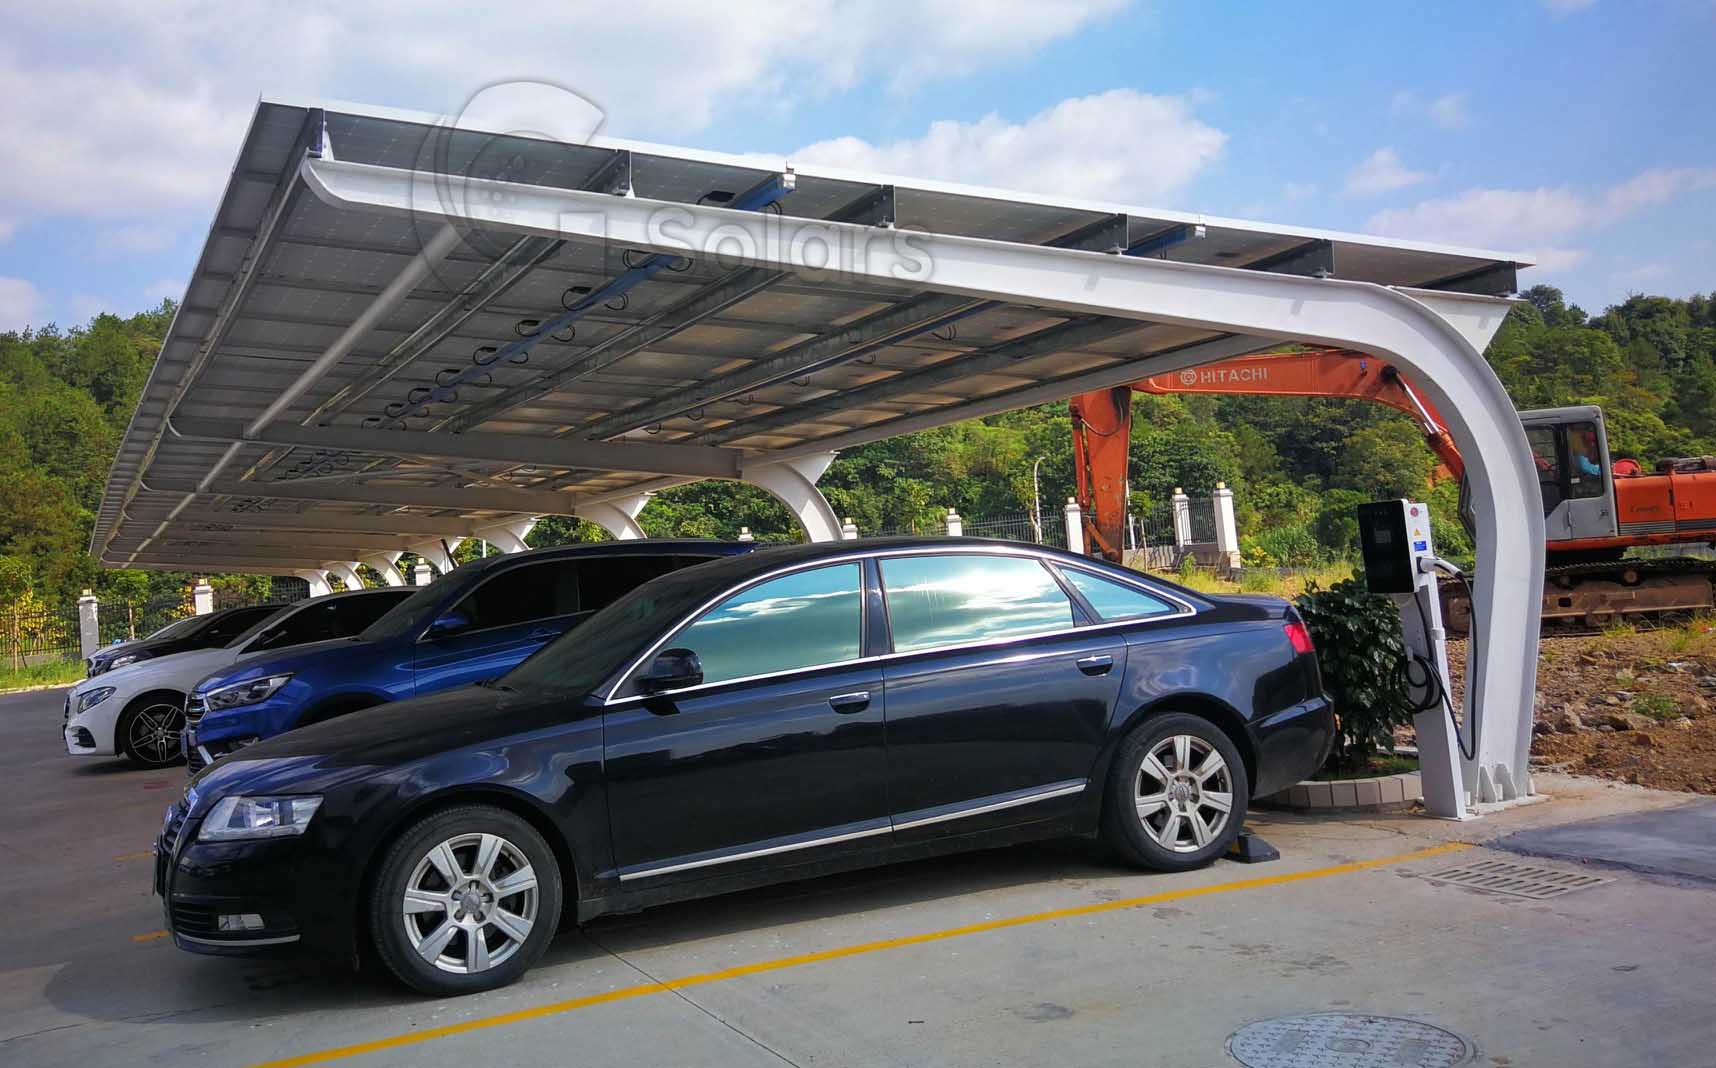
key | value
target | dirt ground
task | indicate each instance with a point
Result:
(1639, 707)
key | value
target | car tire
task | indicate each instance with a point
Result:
(1163, 809)
(147, 732)
(450, 911)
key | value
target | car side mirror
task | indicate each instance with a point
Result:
(448, 623)
(672, 669)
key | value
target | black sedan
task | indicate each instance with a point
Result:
(784, 714)
(182, 636)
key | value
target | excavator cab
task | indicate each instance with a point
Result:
(1574, 473)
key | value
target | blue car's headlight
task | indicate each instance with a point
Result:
(90, 698)
(233, 818)
(244, 693)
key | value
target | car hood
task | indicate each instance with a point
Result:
(284, 661)
(179, 671)
(421, 726)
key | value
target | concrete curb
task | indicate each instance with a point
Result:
(1379, 794)
(44, 686)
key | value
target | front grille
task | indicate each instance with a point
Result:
(196, 920)
(194, 761)
(196, 708)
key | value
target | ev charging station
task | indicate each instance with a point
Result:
(1400, 562)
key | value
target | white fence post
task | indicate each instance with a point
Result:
(202, 597)
(1226, 528)
(421, 574)
(849, 530)
(1182, 506)
(746, 535)
(88, 624)
(955, 525)
(1075, 526)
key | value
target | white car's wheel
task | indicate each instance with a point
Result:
(148, 731)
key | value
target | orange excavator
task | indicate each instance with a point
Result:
(1595, 509)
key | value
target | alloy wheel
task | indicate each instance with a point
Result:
(152, 734)
(470, 903)
(1184, 793)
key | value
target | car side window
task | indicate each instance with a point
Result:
(801, 620)
(604, 580)
(237, 622)
(353, 614)
(520, 594)
(959, 598)
(308, 624)
(1115, 600)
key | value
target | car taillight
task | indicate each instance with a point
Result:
(1300, 636)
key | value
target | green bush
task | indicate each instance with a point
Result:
(1361, 651)
(1290, 545)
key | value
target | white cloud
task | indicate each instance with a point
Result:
(1293, 192)
(118, 111)
(1447, 111)
(21, 304)
(1537, 219)
(1380, 172)
(1121, 144)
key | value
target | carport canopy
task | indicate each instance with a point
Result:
(405, 329)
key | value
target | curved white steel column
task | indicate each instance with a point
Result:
(318, 582)
(618, 516)
(347, 574)
(1435, 337)
(435, 555)
(508, 537)
(382, 563)
(794, 483)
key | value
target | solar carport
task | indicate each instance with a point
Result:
(405, 330)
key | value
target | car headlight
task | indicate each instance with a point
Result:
(257, 817)
(128, 658)
(90, 698)
(244, 693)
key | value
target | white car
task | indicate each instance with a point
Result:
(138, 711)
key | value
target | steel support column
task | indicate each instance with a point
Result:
(346, 572)
(794, 483)
(383, 565)
(318, 582)
(618, 515)
(508, 537)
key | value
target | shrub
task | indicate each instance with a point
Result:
(1362, 654)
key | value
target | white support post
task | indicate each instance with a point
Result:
(508, 537)
(88, 624)
(1075, 526)
(422, 574)
(202, 597)
(383, 564)
(346, 573)
(794, 483)
(953, 524)
(1226, 527)
(849, 530)
(436, 554)
(618, 517)
(1182, 508)
(318, 582)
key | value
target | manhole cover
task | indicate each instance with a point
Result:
(1519, 880)
(1346, 1040)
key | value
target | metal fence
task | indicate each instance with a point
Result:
(1019, 527)
(37, 635)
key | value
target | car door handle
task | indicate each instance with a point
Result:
(848, 703)
(1095, 665)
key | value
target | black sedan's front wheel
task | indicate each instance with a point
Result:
(1177, 794)
(467, 899)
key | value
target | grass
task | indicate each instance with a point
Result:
(1265, 580)
(51, 673)
(1378, 764)
(1658, 706)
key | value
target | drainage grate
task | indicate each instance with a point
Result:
(1346, 1040)
(1519, 880)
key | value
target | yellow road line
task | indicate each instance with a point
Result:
(147, 854)
(149, 936)
(624, 993)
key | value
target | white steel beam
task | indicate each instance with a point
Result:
(793, 482)
(318, 581)
(1436, 346)
(691, 461)
(383, 565)
(617, 515)
(508, 537)
(346, 572)
(452, 498)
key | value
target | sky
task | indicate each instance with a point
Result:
(1577, 133)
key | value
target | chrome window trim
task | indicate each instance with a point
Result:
(983, 806)
(859, 555)
(696, 617)
(748, 854)
(1141, 585)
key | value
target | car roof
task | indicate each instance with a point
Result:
(769, 557)
(629, 547)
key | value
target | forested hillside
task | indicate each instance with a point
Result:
(1297, 466)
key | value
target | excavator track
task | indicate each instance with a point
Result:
(1590, 596)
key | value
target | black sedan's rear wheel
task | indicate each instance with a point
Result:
(1176, 795)
(467, 899)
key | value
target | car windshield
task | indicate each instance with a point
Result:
(419, 610)
(581, 659)
(262, 624)
(176, 628)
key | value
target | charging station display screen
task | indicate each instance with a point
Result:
(1387, 553)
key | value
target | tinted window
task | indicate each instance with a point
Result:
(795, 621)
(1115, 600)
(342, 617)
(604, 580)
(521, 594)
(235, 622)
(1545, 453)
(950, 600)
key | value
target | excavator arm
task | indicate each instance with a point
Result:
(1102, 419)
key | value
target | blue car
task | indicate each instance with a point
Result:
(471, 626)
